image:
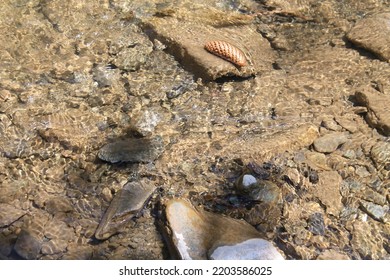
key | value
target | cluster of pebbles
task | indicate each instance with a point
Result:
(121, 137)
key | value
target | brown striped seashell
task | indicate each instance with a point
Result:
(226, 51)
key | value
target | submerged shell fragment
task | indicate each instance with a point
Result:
(125, 205)
(227, 51)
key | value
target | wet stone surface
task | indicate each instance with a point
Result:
(373, 33)
(328, 191)
(378, 212)
(330, 142)
(27, 246)
(252, 249)
(198, 234)
(189, 47)
(120, 91)
(316, 224)
(132, 150)
(9, 214)
(378, 116)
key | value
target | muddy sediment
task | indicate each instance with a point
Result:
(308, 113)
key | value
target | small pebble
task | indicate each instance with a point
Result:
(362, 171)
(146, 121)
(106, 194)
(248, 180)
(350, 154)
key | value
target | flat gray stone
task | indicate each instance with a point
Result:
(330, 142)
(132, 150)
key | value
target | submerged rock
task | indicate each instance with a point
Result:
(57, 236)
(376, 211)
(372, 196)
(329, 142)
(267, 192)
(198, 234)
(259, 190)
(367, 241)
(104, 75)
(6, 245)
(28, 245)
(348, 122)
(316, 224)
(328, 191)
(373, 33)
(332, 255)
(126, 204)
(262, 147)
(331, 124)
(378, 115)
(9, 214)
(146, 121)
(264, 216)
(316, 161)
(380, 154)
(52, 247)
(31, 238)
(132, 150)
(188, 47)
(71, 128)
(132, 58)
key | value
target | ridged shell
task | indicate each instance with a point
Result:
(226, 51)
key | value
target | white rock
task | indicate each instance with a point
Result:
(248, 180)
(251, 249)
